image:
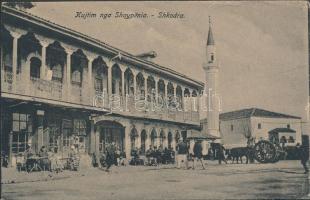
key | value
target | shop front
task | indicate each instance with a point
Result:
(29, 126)
(111, 132)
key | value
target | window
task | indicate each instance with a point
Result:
(79, 127)
(259, 125)
(283, 139)
(288, 126)
(76, 77)
(143, 138)
(57, 73)
(98, 84)
(161, 139)
(169, 140)
(99, 80)
(22, 129)
(133, 142)
(231, 127)
(291, 139)
(212, 57)
(35, 65)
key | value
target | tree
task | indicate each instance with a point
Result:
(20, 5)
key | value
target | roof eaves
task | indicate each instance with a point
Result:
(105, 45)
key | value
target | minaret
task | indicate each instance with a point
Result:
(212, 69)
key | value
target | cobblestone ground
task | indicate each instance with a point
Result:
(284, 179)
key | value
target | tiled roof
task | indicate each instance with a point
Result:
(31, 17)
(195, 134)
(253, 112)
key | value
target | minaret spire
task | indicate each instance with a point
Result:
(211, 68)
(210, 40)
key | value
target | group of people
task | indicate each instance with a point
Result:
(111, 156)
(48, 159)
(183, 155)
(156, 156)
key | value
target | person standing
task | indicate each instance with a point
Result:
(198, 154)
(303, 152)
(221, 155)
(110, 157)
(182, 154)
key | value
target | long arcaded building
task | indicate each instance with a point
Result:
(60, 87)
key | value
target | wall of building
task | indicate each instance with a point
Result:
(139, 125)
(233, 132)
(268, 124)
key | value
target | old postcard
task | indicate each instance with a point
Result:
(154, 100)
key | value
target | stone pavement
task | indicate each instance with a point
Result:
(284, 179)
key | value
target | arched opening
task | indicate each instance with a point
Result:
(129, 85)
(140, 86)
(179, 96)
(170, 138)
(170, 93)
(161, 91)
(187, 93)
(177, 136)
(7, 49)
(27, 44)
(150, 89)
(55, 60)
(79, 63)
(116, 80)
(161, 139)
(133, 136)
(143, 139)
(100, 75)
(110, 131)
(153, 138)
(35, 65)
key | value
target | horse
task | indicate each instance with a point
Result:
(238, 153)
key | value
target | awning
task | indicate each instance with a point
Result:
(194, 134)
(282, 130)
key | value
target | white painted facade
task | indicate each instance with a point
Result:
(234, 131)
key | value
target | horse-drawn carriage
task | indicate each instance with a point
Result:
(263, 151)
(268, 152)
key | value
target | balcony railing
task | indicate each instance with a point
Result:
(58, 91)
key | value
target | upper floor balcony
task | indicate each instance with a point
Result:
(50, 70)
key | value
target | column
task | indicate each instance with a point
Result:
(166, 90)
(68, 72)
(97, 140)
(40, 117)
(156, 88)
(44, 44)
(145, 86)
(173, 143)
(127, 142)
(92, 141)
(174, 90)
(191, 99)
(147, 140)
(138, 140)
(134, 81)
(90, 80)
(10, 149)
(166, 138)
(123, 95)
(110, 79)
(16, 36)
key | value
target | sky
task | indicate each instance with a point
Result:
(262, 47)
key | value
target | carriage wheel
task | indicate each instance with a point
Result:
(278, 153)
(265, 151)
